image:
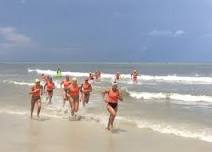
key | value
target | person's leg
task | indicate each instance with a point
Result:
(87, 97)
(76, 104)
(71, 102)
(32, 107)
(39, 107)
(64, 98)
(112, 116)
(50, 94)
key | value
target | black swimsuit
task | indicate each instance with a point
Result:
(113, 105)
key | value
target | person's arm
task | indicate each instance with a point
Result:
(81, 88)
(41, 88)
(105, 92)
(45, 87)
(61, 84)
(91, 89)
(120, 96)
(53, 85)
(32, 89)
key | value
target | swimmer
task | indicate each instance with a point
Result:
(91, 76)
(134, 76)
(112, 96)
(49, 87)
(117, 77)
(73, 94)
(65, 83)
(36, 92)
(85, 89)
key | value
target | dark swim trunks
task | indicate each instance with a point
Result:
(113, 105)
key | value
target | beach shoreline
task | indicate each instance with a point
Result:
(20, 133)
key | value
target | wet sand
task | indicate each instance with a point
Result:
(20, 134)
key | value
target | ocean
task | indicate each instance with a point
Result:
(173, 99)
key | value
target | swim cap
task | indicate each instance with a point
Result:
(74, 79)
(37, 80)
(114, 84)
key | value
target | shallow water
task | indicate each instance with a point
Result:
(169, 98)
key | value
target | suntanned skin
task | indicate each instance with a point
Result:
(50, 92)
(65, 92)
(36, 100)
(111, 110)
(73, 101)
(85, 95)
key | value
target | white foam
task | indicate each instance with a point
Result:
(181, 130)
(204, 134)
(18, 83)
(185, 99)
(196, 79)
(22, 83)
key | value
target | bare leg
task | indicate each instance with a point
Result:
(32, 107)
(39, 108)
(71, 102)
(76, 105)
(50, 100)
(112, 117)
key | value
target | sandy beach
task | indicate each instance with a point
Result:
(19, 133)
(146, 122)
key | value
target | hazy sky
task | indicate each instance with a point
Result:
(106, 30)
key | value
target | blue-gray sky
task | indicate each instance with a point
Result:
(106, 30)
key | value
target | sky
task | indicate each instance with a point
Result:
(106, 30)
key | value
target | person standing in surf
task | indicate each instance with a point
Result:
(36, 92)
(134, 76)
(49, 87)
(112, 96)
(65, 83)
(117, 77)
(85, 89)
(73, 94)
(91, 76)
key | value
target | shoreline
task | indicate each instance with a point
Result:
(50, 134)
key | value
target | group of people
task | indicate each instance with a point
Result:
(74, 93)
(94, 76)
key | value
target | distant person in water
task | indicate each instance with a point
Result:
(134, 76)
(85, 89)
(73, 94)
(44, 78)
(65, 83)
(112, 96)
(97, 74)
(117, 77)
(36, 92)
(49, 87)
(91, 76)
(59, 71)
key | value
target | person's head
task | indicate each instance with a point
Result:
(74, 81)
(37, 82)
(114, 86)
(117, 73)
(67, 77)
(135, 70)
(50, 79)
(42, 74)
(86, 80)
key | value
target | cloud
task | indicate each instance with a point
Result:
(166, 33)
(12, 39)
(179, 32)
